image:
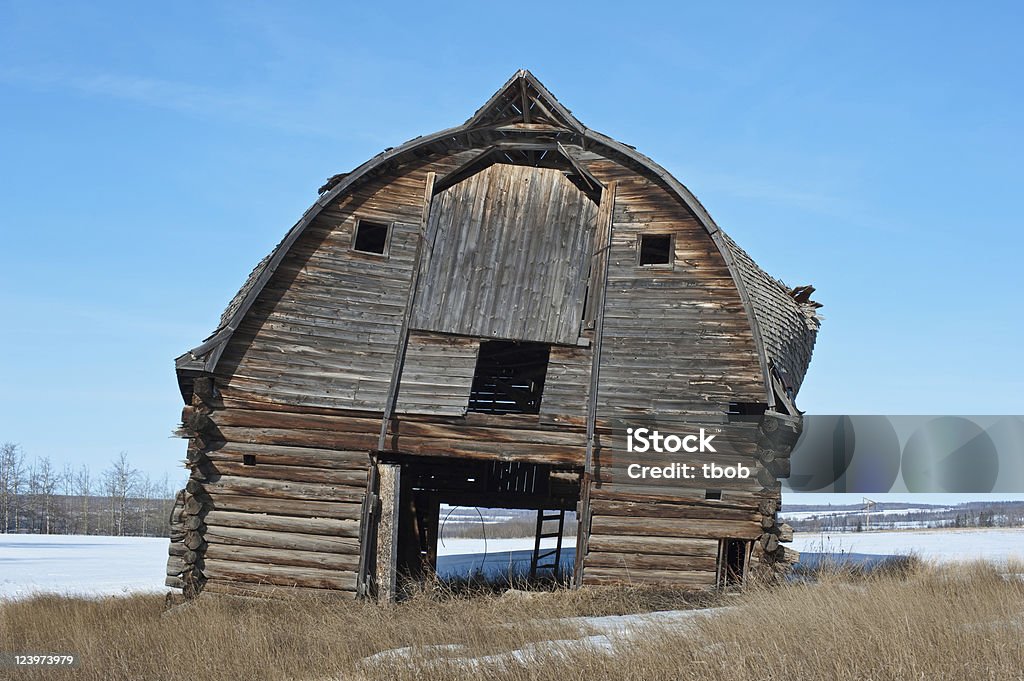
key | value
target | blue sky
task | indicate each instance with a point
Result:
(152, 155)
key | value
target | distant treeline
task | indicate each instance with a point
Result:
(971, 514)
(36, 497)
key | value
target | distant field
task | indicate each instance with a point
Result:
(938, 545)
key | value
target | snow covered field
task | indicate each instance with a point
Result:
(80, 565)
(940, 545)
(98, 566)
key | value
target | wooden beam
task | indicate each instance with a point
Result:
(605, 215)
(525, 101)
(387, 531)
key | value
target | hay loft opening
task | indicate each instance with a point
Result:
(371, 237)
(509, 377)
(655, 249)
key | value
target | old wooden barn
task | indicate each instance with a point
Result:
(473, 318)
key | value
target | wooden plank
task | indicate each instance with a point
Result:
(291, 507)
(261, 521)
(675, 527)
(668, 546)
(697, 579)
(275, 489)
(278, 575)
(276, 539)
(651, 562)
(283, 557)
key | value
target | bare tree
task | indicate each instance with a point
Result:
(120, 482)
(67, 491)
(47, 481)
(83, 487)
(12, 463)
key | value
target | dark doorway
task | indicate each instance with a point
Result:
(732, 561)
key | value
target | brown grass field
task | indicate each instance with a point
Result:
(918, 622)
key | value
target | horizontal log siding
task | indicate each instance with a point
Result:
(437, 375)
(324, 330)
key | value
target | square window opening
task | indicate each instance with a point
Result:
(509, 377)
(248, 459)
(371, 237)
(655, 249)
(713, 494)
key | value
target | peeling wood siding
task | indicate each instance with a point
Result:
(508, 258)
(438, 374)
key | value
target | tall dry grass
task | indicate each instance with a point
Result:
(920, 622)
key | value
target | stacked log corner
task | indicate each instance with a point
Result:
(188, 544)
(777, 435)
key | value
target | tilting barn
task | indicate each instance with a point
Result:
(475, 318)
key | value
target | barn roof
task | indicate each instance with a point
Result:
(783, 320)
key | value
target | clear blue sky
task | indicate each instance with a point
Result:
(151, 156)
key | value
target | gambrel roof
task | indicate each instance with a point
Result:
(523, 112)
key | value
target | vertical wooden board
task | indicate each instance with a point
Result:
(387, 531)
(509, 248)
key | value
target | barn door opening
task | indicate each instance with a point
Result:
(494, 502)
(733, 556)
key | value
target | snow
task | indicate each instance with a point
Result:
(80, 565)
(496, 557)
(807, 515)
(606, 634)
(947, 545)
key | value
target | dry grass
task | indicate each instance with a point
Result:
(913, 623)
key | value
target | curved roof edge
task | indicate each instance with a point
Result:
(526, 99)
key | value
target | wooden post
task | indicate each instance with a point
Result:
(387, 531)
(403, 336)
(605, 215)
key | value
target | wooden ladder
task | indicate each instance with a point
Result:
(536, 561)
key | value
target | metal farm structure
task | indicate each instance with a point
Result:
(471, 318)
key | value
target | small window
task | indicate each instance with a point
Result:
(371, 237)
(248, 459)
(713, 494)
(655, 249)
(509, 378)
